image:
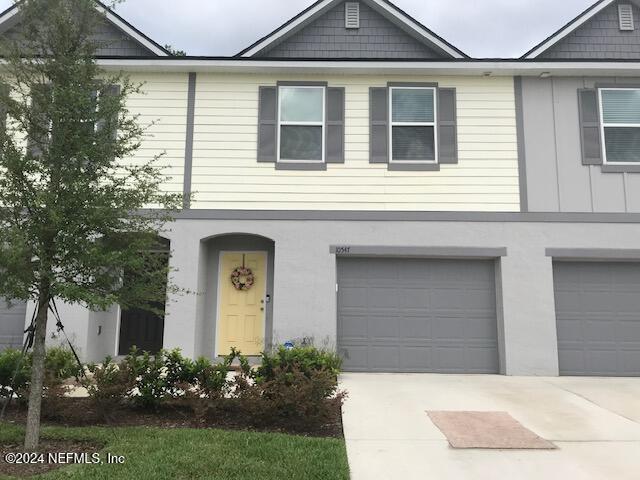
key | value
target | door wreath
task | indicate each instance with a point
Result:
(242, 278)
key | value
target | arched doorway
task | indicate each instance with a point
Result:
(237, 317)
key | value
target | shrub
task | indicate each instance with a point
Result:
(212, 381)
(179, 372)
(292, 400)
(9, 360)
(294, 390)
(150, 387)
(61, 364)
(109, 384)
(304, 359)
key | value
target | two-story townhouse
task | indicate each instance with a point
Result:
(419, 210)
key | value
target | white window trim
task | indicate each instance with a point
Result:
(604, 125)
(433, 124)
(303, 124)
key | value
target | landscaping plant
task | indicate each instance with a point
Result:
(73, 216)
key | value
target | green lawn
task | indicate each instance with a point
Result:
(157, 454)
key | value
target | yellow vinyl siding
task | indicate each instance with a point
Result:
(226, 174)
(162, 109)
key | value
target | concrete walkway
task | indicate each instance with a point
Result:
(595, 423)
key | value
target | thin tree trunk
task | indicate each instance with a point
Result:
(32, 437)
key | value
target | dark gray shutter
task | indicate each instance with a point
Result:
(379, 123)
(447, 126)
(267, 124)
(4, 92)
(335, 125)
(38, 135)
(589, 126)
(110, 123)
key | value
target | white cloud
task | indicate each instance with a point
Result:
(481, 28)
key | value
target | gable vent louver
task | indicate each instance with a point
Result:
(352, 15)
(625, 14)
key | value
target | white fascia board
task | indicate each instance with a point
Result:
(496, 68)
(9, 14)
(569, 28)
(131, 32)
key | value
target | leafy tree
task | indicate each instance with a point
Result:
(73, 203)
(174, 51)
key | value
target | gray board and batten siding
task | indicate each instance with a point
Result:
(556, 178)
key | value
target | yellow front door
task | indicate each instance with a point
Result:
(241, 313)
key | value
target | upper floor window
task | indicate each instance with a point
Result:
(301, 124)
(413, 124)
(620, 125)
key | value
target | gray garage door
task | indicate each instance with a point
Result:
(11, 324)
(598, 312)
(417, 315)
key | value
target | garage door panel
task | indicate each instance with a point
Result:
(416, 358)
(415, 298)
(416, 327)
(356, 297)
(357, 357)
(474, 299)
(629, 361)
(628, 329)
(626, 302)
(384, 327)
(354, 327)
(420, 316)
(382, 356)
(598, 318)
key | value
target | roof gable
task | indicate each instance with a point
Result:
(385, 32)
(121, 38)
(594, 34)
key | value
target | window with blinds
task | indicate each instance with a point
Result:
(620, 125)
(413, 124)
(301, 120)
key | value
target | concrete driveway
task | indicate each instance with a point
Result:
(595, 422)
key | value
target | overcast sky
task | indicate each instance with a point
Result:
(481, 28)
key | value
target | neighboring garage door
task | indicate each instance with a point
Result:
(11, 324)
(417, 315)
(598, 313)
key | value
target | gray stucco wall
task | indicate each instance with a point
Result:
(600, 37)
(304, 281)
(556, 179)
(327, 37)
(304, 290)
(11, 323)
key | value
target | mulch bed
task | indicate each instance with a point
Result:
(51, 456)
(80, 412)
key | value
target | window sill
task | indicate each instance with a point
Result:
(634, 168)
(309, 167)
(414, 167)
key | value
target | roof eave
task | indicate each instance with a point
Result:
(484, 67)
(320, 6)
(567, 29)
